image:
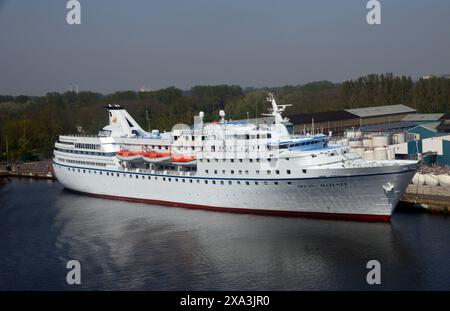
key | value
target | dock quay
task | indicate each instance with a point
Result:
(38, 170)
(433, 199)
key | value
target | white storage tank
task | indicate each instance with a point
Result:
(350, 134)
(444, 180)
(431, 180)
(355, 143)
(369, 155)
(398, 138)
(380, 153)
(380, 141)
(390, 153)
(367, 142)
(359, 151)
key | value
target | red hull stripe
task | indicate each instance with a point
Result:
(358, 217)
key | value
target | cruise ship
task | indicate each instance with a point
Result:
(231, 166)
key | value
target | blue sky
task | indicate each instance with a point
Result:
(128, 44)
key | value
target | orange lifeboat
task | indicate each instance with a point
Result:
(184, 160)
(127, 155)
(153, 156)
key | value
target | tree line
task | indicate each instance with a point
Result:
(31, 124)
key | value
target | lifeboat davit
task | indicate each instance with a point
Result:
(183, 160)
(126, 155)
(154, 157)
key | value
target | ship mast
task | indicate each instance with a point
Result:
(276, 110)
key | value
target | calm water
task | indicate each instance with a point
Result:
(131, 246)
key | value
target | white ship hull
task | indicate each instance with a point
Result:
(357, 193)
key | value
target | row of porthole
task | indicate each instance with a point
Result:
(269, 172)
(221, 182)
(240, 160)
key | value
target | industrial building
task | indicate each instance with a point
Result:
(423, 139)
(338, 121)
(414, 135)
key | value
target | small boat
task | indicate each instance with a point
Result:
(126, 155)
(184, 160)
(155, 157)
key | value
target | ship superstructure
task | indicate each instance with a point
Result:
(230, 166)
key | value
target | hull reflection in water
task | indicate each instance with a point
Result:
(123, 245)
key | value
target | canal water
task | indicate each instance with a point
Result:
(132, 246)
